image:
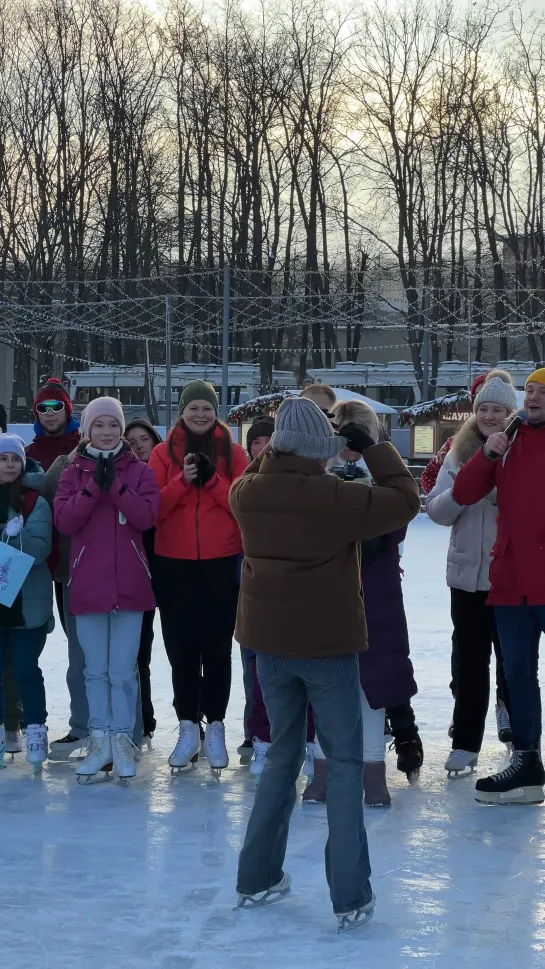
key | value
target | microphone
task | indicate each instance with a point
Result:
(520, 417)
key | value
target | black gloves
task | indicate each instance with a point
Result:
(205, 470)
(104, 475)
(98, 476)
(109, 472)
(357, 439)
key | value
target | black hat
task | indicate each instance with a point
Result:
(142, 422)
(260, 427)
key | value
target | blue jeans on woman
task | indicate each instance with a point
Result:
(25, 646)
(332, 687)
(519, 629)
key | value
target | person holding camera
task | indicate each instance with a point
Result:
(105, 500)
(198, 548)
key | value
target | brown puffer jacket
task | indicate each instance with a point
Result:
(301, 527)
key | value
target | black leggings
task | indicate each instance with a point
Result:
(197, 602)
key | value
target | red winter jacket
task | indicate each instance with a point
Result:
(195, 523)
(517, 571)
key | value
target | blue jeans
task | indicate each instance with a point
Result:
(332, 687)
(519, 629)
(75, 678)
(25, 647)
(110, 642)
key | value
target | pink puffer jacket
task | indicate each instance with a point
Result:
(108, 567)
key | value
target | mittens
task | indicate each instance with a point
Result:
(98, 476)
(109, 472)
(357, 439)
(14, 526)
(205, 470)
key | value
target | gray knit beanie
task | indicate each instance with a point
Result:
(496, 391)
(302, 429)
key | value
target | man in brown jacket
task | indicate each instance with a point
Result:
(301, 611)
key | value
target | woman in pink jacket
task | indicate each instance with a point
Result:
(106, 498)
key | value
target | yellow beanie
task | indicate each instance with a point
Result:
(538, 376)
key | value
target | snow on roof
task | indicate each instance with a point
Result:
(429, 410)
(269, 404)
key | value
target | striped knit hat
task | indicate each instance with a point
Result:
(302, 429)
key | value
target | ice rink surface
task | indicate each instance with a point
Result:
(104, 877)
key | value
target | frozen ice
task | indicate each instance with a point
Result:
(144, 877)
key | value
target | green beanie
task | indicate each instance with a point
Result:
(198, 390)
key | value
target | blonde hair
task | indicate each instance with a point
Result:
(324, 389)
(358, 413)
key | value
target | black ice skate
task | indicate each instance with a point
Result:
(520, 783)
(505, 734)
(410, 757)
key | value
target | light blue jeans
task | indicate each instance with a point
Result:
(332, 687)
(110, 642)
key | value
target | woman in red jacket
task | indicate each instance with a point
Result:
(197, 546)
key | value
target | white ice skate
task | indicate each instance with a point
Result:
(147, 739)
(61, 749)
(36, 745)
(2, 746)
(124, 754)
(459, 761)
(186, 751)
(308, 766)
(14, 742)
(99, 758)
(355, 918)
(258, 759)
(272, 894)
(216, 751)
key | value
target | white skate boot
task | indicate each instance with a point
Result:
(258, 759)
(272, 894)
(99, 758)
(216, 751)
(187, 749)
(308, 766)
(36, 745)
(124, 754)
(505, 734)
(14, 742)
(359, 916)
(460, 760)
(2, 745)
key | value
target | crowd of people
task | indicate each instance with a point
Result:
(293, 547)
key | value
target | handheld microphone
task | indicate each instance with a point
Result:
(520, 417)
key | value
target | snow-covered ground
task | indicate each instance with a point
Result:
(143, 878)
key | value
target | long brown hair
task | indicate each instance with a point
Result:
(216, 448)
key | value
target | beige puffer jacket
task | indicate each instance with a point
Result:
(473, 527)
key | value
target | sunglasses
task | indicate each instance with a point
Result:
(50, 406)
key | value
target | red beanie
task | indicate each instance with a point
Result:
(53, 390)
(476, 384)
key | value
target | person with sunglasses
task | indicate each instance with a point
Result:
(323, 396)
(57, 435)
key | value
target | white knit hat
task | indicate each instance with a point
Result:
(101, 407)
(497, 391)
(13, 444)
(300, 428)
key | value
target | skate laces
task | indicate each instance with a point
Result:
(126, 748)
(502, 717)
(514, 766)
(35, 739)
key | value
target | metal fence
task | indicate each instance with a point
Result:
(272, 318)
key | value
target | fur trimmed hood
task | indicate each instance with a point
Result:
(466, 441)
